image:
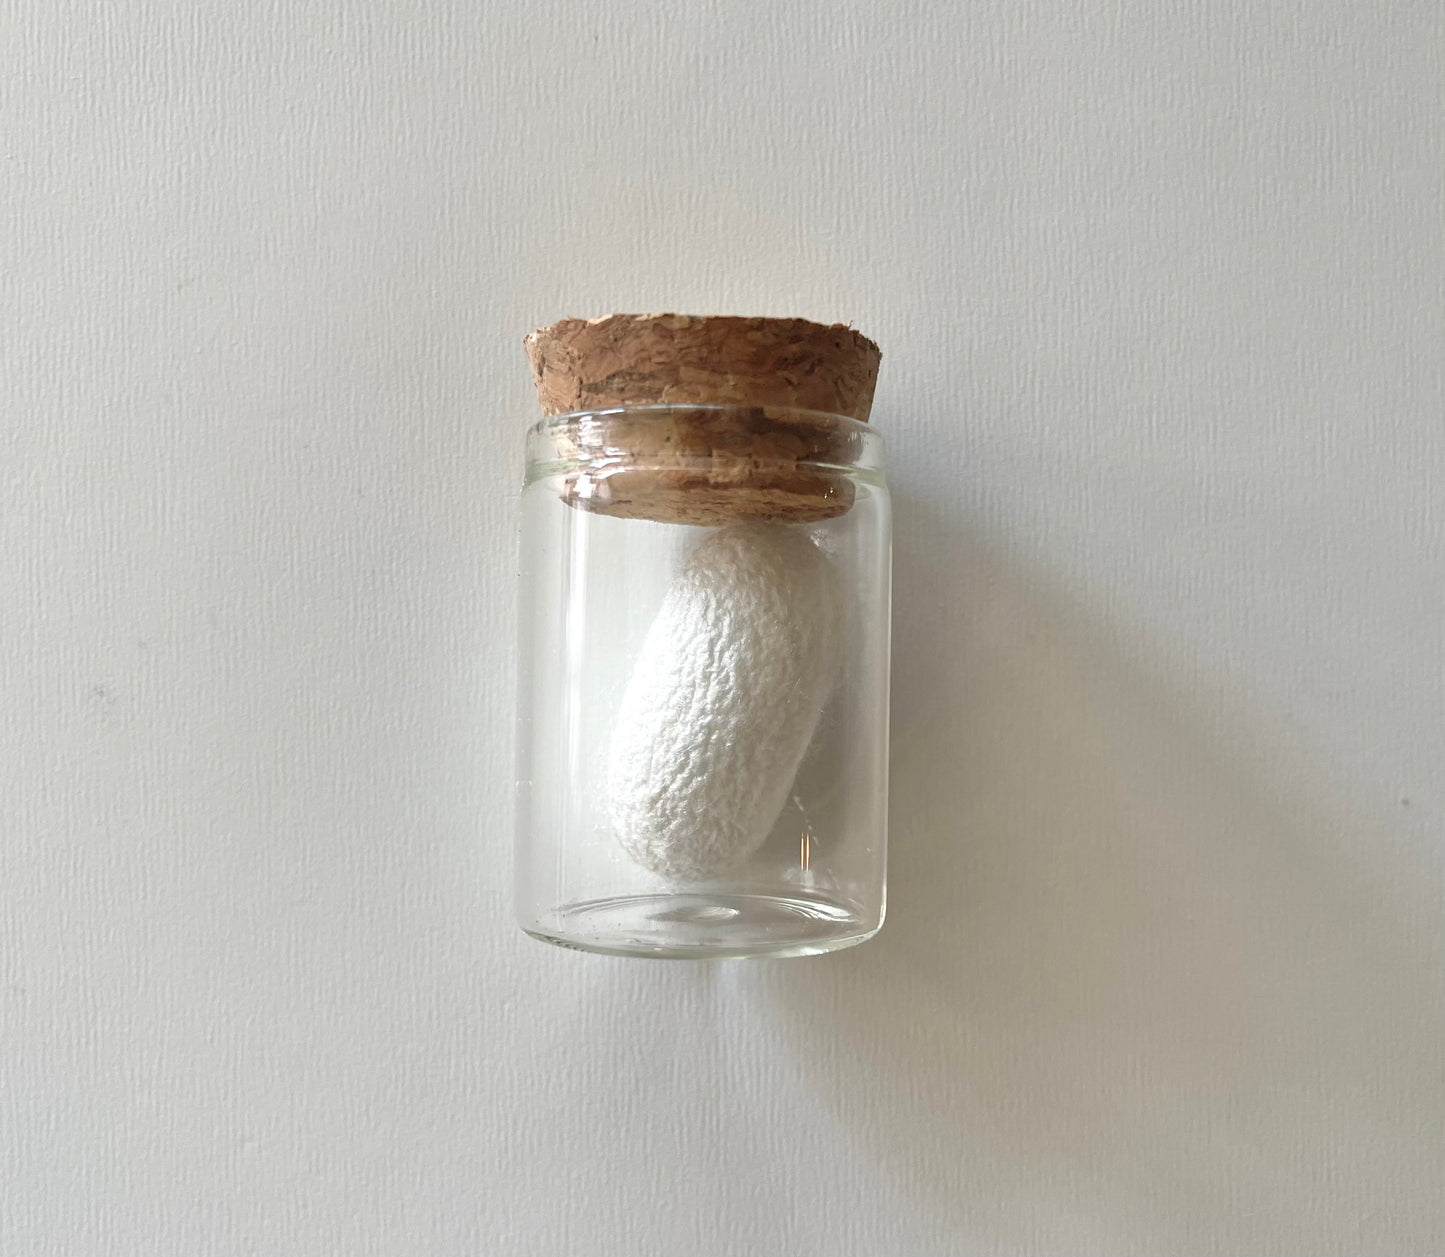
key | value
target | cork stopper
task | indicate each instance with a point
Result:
(695, 463)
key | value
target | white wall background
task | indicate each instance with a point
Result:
(1161, 289)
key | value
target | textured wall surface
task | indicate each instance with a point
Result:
(1161, 290)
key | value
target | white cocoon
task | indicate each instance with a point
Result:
(724, 699)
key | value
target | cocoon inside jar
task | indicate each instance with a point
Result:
(723, 700)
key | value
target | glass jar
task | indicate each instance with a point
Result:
(703, 690)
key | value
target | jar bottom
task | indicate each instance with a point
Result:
(707, 926)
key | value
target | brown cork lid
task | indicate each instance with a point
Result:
(778, 378)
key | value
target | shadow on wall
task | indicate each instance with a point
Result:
(1129, 997)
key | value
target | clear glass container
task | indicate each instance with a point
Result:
(703, 692)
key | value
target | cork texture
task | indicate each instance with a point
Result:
(755, 460)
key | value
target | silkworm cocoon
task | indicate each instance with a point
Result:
(724, 699)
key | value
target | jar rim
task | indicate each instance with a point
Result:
(799, 413)
(626, 435)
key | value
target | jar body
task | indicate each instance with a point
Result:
(703, 688)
